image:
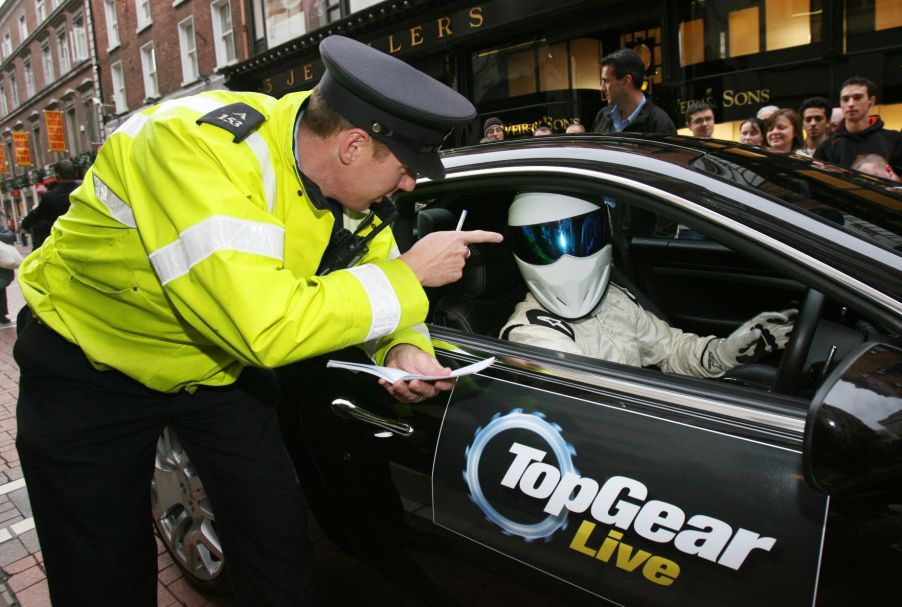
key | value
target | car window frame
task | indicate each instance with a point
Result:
(719, 227)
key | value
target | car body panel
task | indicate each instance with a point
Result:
(510, 456)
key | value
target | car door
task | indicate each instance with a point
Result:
(571, 482)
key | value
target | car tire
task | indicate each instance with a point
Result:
(184, 519)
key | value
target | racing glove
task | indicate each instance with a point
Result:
(767, 332)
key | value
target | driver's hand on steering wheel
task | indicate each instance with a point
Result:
(765, 333)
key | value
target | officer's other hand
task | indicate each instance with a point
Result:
(413, 360)
(767, 332)
(438, 258)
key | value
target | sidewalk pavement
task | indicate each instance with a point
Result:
(22, 579)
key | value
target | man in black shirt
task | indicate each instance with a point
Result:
(858, 134)
(53, 203)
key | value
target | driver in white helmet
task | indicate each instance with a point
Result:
(561, 245)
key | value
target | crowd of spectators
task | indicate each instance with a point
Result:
(847, 135)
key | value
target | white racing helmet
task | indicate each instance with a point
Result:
(560, 244)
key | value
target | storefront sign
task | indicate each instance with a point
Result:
(730, 98)
(4, 165)
(438, 30)
(557, 125)
(22, 152)
(56, 138)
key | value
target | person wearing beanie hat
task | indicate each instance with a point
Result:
(215, 237)
(493, 129)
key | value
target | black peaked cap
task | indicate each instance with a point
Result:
(407, 110)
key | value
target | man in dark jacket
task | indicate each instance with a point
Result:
(858, 134)
(630, 111)
(53, 203)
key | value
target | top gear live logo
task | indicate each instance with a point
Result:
(619, 502)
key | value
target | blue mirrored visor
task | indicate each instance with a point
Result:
(545, 243)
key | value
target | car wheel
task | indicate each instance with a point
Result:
(183, 517)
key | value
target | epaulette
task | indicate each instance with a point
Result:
(239, 119)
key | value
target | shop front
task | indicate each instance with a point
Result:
(532, 63)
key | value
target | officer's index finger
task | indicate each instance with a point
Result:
(481, 236)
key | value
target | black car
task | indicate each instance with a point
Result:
(552, 478)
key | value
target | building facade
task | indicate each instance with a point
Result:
(49, 100)
(149, 51)
(534, 62)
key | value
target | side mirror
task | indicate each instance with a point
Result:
(853, 432)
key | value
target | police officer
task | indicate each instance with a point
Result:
(209, 238)
(561, 246)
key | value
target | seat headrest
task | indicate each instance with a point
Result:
(490, 271)
(434, 220)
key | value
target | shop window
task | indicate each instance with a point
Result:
(553, 72)
(887, 14)
(721, 29)
(866, 16)
(585, 53)
(692, 42)
(788, 23)
(532, 67)
(646, 42)
(745, 38)
(521, 73)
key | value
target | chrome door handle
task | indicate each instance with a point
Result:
(349, 410)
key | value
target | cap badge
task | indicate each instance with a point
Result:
(377, 128)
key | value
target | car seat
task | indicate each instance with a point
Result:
(485, 296)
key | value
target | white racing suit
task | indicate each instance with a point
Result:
(618, 330)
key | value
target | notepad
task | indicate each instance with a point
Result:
(392, 375)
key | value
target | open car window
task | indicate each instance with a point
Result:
(682, 266)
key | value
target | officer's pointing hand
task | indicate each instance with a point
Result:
(438, 258)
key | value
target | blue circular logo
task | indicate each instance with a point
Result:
(550, 433)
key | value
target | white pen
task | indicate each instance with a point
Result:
(460, 223)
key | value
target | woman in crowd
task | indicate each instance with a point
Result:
(751, 132)
(784, 131)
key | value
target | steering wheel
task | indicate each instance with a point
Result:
(792, 364)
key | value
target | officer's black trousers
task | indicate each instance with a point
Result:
(87, 443)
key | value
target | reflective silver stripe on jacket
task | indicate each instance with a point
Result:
(214, 234)
(202, 106)
(384, 304)
(258, 145)
(117, 208)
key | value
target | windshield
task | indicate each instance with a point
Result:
(868, 207)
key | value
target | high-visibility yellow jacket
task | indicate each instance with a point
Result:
(186, 256)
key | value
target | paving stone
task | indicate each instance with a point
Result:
(37, 595)
(29, 577)
(11, 551)
(30, 540)
(21, 565)
(186, 593)
(169, 574)
(20, 498)
(165, 598)
(14, 473)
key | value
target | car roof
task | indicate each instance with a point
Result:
(787, 194)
